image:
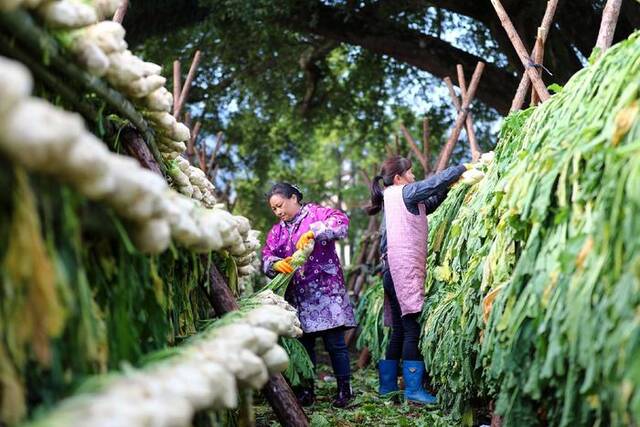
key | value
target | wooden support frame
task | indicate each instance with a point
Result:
(608, 25)
(538, 51)
(445, 155)
(521, 50)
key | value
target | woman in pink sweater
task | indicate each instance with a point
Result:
(404, 253)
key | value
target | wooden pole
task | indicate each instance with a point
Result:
(543, 30)
(194, 137)
(177, 82)
(425, 146)
(538, 58)
(364, 358)
(460, 120)
(608, 25)
(521, 50)
(136, 147)
(276, 391)
(214, 153)
(414, 147)
(121, 11)
(184, 92)
(471, 134)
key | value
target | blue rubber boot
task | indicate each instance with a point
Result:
(388, 374)
(413, 372)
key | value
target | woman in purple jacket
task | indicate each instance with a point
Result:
(317, 289)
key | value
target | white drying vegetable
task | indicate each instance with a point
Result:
(42, 146)
(67, 14)
(223, 383)
(16, 83)
(163, 120)
(209, 226)
(150, 69)
(171, 145)
(276, 359)
(180, 132)
(144, 86)
(87, 158)
(197, 194)
(186, 380)
(107, 35)
(243, 224)
(187, 190)
(254, 338)
(279, 320)
(153, 236)
(159, 100)
(246, 270)
(92, 58)
(178, 176)
(146, 394)
(124, 68)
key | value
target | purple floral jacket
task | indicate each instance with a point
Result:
(317, 289)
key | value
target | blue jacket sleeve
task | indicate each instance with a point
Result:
(431, 191)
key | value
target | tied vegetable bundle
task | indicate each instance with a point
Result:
(533, 287)
(280, 283)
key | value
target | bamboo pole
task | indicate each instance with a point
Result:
(414, 147)
(121, 11)
(471, 134)
(425, 146)
(608, 25)
(460, 120)
(184, 92)
(538, 58)
(216, 149)
(545, 26)
(176, 86)
(22, 27)
(521, 50)
(194, 136)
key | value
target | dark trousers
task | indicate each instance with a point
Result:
(336, 347)
(405, 330)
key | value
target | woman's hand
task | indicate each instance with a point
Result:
(283, 266)
(304, 239)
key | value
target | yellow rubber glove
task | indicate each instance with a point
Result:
(469, 166)
(304, 239)
(283, 266)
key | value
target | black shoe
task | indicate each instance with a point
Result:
(344, 396)
(305, 395)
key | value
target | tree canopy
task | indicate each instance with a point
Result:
(294, 82)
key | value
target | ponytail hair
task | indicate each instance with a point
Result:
(392, 166)
(376, 196)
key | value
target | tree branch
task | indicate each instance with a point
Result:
(412, 47)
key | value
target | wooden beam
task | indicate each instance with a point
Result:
(545, 27)
(426, 149)
(608, 25)
(121, 11)
(521, 50)
(184, 92)
(461, 119)
(414, 147)
(177, 82)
